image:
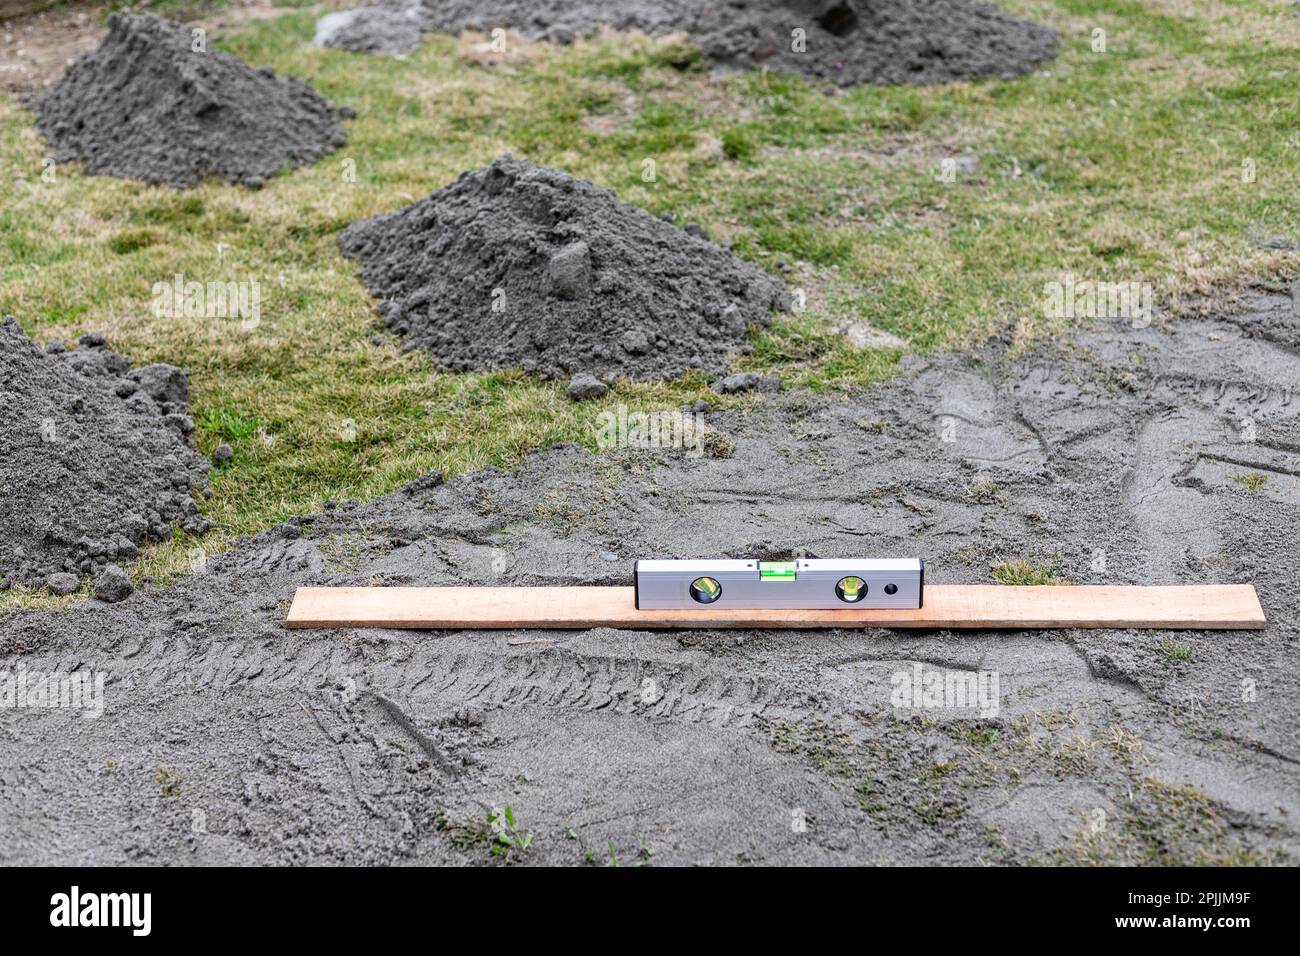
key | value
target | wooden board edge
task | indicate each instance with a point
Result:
(1253, 619)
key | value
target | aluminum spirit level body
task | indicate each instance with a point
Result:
(813, 583)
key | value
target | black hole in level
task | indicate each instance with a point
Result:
(891, 588)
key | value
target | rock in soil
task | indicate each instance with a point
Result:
(585, 386)
(747, 382)
(519, 265)
(94, 460)
(844, 42)
(146, 105)
(113, 585)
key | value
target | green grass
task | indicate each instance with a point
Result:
(1174, 652)
(1157, 823)
(1252, 481)
(1021, 572)
(497, 832)
(1123, 166)
(169, 784)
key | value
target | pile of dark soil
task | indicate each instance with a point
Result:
(393, 29)
(146, 106)
(847, 42)
(518, 265)
(850, 42)
(93, 457)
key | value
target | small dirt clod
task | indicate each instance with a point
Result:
(585, 386)
(113, 585)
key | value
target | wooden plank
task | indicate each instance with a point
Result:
(1199, 607)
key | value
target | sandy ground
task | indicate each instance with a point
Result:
(227, 739)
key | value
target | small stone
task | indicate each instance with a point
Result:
(968, 165)
(112, 584)
(61, 582)
(747, 382)
(635, 342)
(863, 335)
(584, 386)
(223, 453)
(570, 270)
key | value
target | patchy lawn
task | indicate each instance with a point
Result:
(934, 215)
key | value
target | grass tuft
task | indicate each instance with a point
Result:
(1252, 481)
(1020, 573)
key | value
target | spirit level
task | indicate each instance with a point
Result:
(813, 583)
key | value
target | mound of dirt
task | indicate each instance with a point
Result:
(519, 265)
(850, 42)
(93, 458)
(147, 105)
(393, 29)
(847, 42)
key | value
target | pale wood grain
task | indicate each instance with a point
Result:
(1189, 607)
